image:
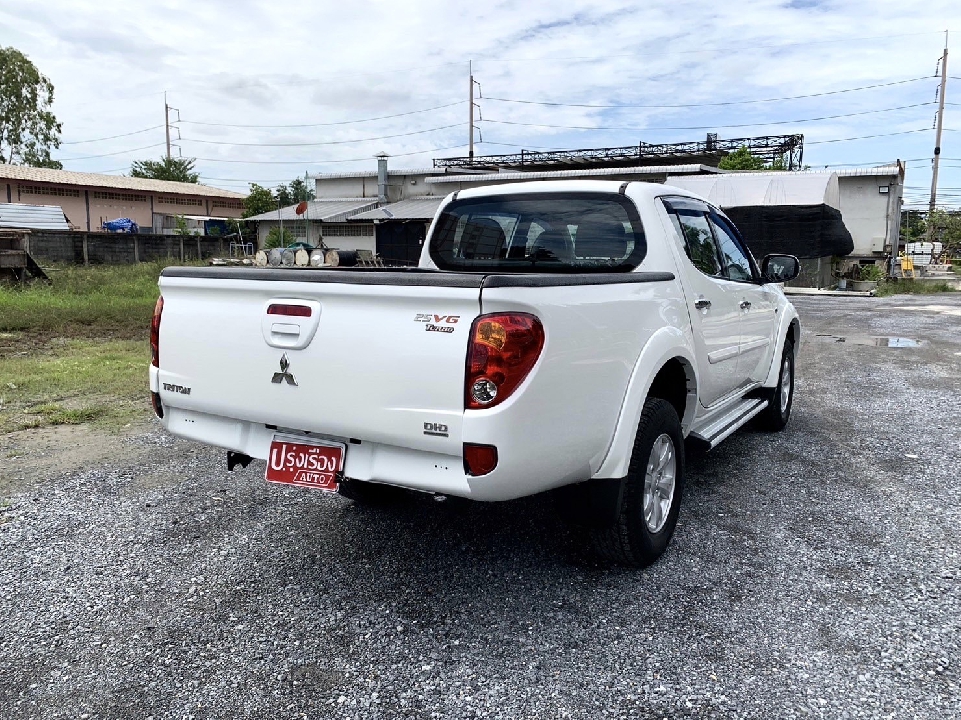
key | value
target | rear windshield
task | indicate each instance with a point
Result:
(542, 232)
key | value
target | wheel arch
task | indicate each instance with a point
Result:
(794, 331)
(665, 368)
(789, 328)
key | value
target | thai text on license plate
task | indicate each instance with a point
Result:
(307, 464)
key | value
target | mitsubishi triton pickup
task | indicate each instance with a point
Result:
(561, 335)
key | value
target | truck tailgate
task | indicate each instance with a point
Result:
(385, 362)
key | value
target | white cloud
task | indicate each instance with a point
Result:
(289, 63)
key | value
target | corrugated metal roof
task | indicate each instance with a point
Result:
(417, 208)
(586, 172)
(885, 170)
(67, 177)
(32, 217)
(373, 173)
(335, 210)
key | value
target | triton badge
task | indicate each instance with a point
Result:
(283, 375)
(170, 387)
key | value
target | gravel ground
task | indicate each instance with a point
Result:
(813, 574)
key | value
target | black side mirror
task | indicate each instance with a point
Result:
(780, 268)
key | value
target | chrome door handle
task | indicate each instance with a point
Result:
(702, 304)
(745, 304)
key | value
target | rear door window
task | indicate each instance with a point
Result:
(695, 230)
(539, 232)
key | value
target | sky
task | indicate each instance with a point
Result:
(266, 92)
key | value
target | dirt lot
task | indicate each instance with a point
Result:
(814, 574)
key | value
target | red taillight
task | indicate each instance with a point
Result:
(479, 459)
(503, 349)
(155, 332)
(289, 310)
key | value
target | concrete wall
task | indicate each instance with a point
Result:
(870, 215)
(120, 248)
(88, 207)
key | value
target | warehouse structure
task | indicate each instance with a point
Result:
(88, 199)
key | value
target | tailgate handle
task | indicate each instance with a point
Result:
(285, 329)
(290, 323)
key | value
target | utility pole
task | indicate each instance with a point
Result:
(937, 139)
(470, 105)
(167, 123)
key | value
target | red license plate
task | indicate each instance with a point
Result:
(306, 464)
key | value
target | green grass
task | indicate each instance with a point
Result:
(103, 299)
(913, 287)
(74, 381)
(75, 350)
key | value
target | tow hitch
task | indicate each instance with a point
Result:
(235, 458)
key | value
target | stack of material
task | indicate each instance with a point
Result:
(793, 213)
(922, 252)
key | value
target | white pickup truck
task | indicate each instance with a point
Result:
(567, 334)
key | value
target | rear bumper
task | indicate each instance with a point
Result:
(374, 462)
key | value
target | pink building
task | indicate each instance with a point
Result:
(89, 199)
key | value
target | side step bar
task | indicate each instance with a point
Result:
(736, 417)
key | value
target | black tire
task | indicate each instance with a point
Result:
(368, 493)
(630, 540)
(775, 416)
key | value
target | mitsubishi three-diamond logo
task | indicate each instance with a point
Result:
(279, 377)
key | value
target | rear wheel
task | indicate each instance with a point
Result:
(780, 398)
(653, 490)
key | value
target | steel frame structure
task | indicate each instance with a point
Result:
(788, 149)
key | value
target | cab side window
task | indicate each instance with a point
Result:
(698, 240)
(734, 259)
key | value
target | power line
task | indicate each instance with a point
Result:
(866, 137)
(119, 152)
(111, 137)
(714, 104)
(325, 162)
(246, 182)
(343, 122)
(327, 142)
(708, 127)
(861, 164)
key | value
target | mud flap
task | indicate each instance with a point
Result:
(594, 504)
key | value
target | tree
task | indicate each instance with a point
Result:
(28, 130)
(182, 228)
(260, 200)
(299, 191)
(946, 229)
(274, 238)
(284, 198)
(167, 168)
(913, 225)
(742, 159)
